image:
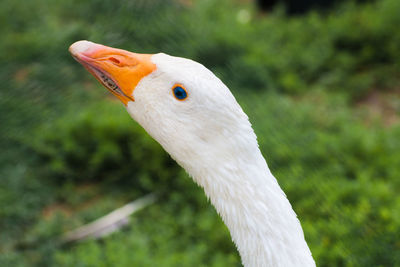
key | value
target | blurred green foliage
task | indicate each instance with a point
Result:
(70, 155)
(97, 145)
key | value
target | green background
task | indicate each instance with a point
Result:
(322, 91)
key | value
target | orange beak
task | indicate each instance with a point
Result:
(118, 70)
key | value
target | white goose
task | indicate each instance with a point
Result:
(197, 120)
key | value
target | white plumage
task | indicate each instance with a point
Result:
(210, 136)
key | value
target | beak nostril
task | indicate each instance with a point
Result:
(115, 60)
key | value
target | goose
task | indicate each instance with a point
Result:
(196, 119)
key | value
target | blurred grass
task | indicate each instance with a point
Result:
(70, 154)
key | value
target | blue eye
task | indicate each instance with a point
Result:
(179, 92)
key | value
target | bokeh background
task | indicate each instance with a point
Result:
(320, 83)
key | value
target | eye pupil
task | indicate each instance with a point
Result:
(180, 93)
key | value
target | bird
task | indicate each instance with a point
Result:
(193, 115)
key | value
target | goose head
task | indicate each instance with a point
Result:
(179, 102)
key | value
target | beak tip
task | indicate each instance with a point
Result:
(80, 47)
